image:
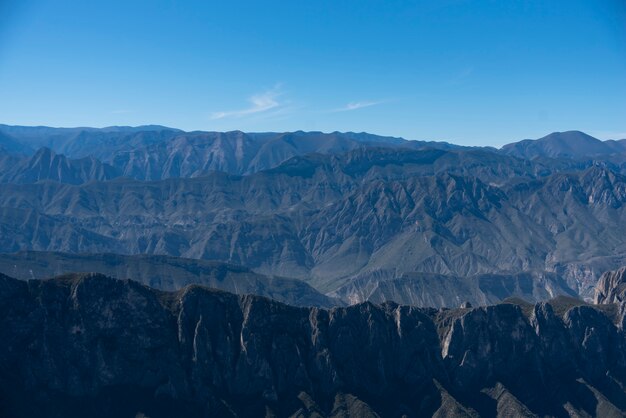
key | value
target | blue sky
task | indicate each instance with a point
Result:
(472, 72)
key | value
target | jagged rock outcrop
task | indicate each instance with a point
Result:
(89, 345)
(611, 287)
(327, 208)
(45, 164)
(307, 219)
(84, 142)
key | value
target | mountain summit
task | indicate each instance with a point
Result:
(570, 144)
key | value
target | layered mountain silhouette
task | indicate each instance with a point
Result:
(326, 223)
(172, 273)
(156, 152)
(165, 273)
(346, 212)
(152, 272)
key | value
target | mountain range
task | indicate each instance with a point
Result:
(165, 273)
(572, 144)
(172, 273)
(345, 212)
(152, 272)
(88, 345)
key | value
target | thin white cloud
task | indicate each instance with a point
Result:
(461, 77)
(262, 102)
(357, 105)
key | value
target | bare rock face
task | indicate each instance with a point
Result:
(327, 208)
(611, 287)
(88, 345)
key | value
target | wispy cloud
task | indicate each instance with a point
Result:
(461, 76)
(357, 105)
(259, 103)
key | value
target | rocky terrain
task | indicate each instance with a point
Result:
(157, 152)
(611, 287)
(88, 345)
(45, 164)
(325, 222)
(174, 273)
(334, 210)
(439, 291)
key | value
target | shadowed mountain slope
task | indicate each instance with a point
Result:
(173, 273)
(165, 273)
(90, 345)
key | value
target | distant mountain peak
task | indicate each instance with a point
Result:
(570, 137)
(568, 144)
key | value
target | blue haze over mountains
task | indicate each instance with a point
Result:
(351, 214)
(151, 272)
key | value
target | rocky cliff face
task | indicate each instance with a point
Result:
(87, 345)
(611, 287)
(328, 219)
(47, 165)
(326, 208)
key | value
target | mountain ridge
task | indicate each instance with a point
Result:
(304, 220)
(173, 273)
(569, 144)
(164, 273)
(326, 208)
(159, 355)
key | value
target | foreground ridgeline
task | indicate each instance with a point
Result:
(89, 345)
